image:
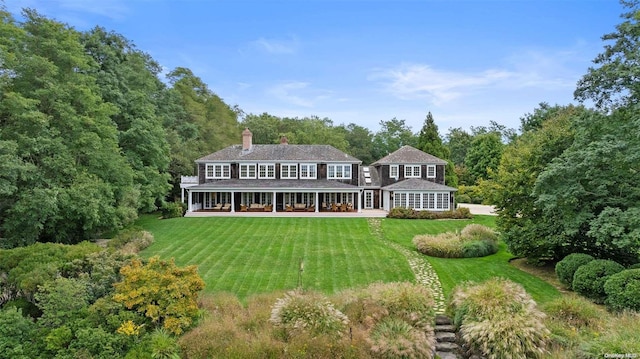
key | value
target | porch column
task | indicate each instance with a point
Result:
(189, 209)
(359, 201)
(233, 202)
(273, 203)
(317, 204)
(182, 195)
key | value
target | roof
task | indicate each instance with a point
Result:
(280, 153)
(275, 185)
(409, 155)
(372, 180)
(416, 184)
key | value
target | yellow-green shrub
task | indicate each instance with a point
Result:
(498, 319)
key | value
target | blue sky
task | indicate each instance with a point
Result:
(468, 62)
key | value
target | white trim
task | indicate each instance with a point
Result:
(224, 170)
(266, 170)
(288, 171)
(431, 171)
(392, 169)
(410, 171)
(247, 169)
(344, 171)
(311, 171)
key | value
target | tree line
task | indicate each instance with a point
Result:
(91, 133)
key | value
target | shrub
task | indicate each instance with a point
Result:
(407, 213)
(393, 337)
(623, 290)
(311, 313)
(131, 241)
(589, 279)
(634, 266)
(173, 210)
(575, 312)
(475, 249)
(443, 245)
(498, 319)
(478, 232)
(567, 267)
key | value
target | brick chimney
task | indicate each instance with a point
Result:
(283, 140)
(247, 140)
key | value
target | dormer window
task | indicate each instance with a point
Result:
(339, 172)
(248, 170)
(308, 171)
(412, 171)
(266, 170)
(393, 171)
(218, 171)
(288, 171)
(431, 171)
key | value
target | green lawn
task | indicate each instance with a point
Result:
(254, 255)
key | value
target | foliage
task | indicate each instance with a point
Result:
(474, 240)
(392, 135)
(130, 241)
(483, 155)
(310, 313)
(469, 194)
(163, 292)
(623, 290)
(576, 312)
(498, 319)
(590, 278)
(458, 142)
(173, 210)
(16, 335)
(408, 213)
(620, 336)
(614, 83)
(395, 338)
(567, 267)
(429, 141)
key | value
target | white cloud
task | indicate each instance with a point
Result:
(298, 93)
(276, 47)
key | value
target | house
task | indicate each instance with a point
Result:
(410, 178)
(285, 177)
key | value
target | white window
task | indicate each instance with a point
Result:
(266, 170)
(218, 171)
(399, 199)
(431, 171)
(412, 200)
(428, 201)
(393, 171)
(289, 171)
(308, 170)
(442, 201)
(412, 171)
(247, 170)
(339, 172)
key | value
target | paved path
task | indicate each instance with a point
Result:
(479, 208)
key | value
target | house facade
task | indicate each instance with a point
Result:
(283, 177)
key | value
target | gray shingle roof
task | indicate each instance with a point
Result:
(416, 184)
(373, 175)
(409, 155)
(280, 153)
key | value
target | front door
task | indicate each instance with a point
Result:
(368, 199)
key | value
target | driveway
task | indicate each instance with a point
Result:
(479, 209)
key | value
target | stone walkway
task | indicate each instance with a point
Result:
(421, 268)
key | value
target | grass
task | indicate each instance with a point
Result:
(247, 256)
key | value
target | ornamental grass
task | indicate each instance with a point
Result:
(498, 319)
(474, 240)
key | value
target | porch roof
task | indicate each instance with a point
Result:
(416, 184)
(277, 185)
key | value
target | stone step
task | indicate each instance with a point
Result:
(445, 328)
(446, 355)
(446, 347)
(443, 320)
(445, 337)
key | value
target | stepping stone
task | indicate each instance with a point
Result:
(443, 320)
(445, 337)
(445, 328)
(446, 347)
(446, 355)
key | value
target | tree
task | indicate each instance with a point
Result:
(614, 83)
(483, 155)
(458, 142)
(392, 135)
(163, 292)
(591, 190)
(360, 140)
(523, 226)
(430, 142)
(67, 177)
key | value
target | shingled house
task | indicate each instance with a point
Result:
(283, 177)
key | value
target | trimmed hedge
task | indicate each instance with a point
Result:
(623, 290)
(408, 213)
(567, 267)
(590, 278)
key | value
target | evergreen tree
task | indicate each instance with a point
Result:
(429, 141)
